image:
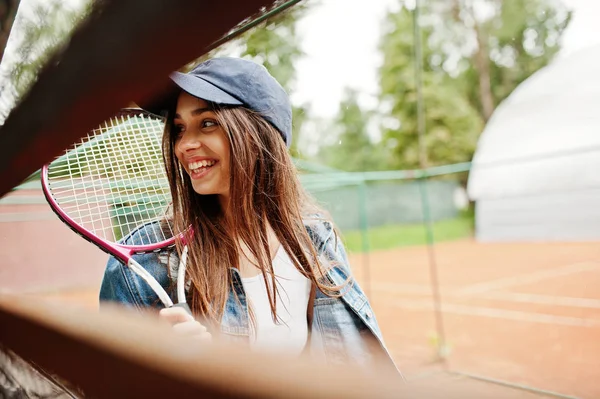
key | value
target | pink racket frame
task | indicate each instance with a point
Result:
(122, 252)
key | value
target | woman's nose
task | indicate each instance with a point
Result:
(189, 142)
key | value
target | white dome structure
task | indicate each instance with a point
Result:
(536, 171)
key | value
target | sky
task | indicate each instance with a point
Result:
(340, 39)
(342, 51)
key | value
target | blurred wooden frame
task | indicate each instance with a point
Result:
(124, 52)
(112, 354)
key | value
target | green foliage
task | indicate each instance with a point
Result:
(8, 11)
(515, 39)
(351, 148)
(276, 45)
(528, 35)
(43, 35)
(521, 37)
(452, 125)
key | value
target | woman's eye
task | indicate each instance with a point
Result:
(208, 124)
(179, 130)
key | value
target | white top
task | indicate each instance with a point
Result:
(290, 333)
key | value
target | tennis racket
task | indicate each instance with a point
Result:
(113, 183)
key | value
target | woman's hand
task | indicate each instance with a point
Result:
(184, 323)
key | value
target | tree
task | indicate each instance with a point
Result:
(351, 149)
(512, 40)
(276, 45)
(8, 11)
(474, 55)
(452, 124)
(43, 34)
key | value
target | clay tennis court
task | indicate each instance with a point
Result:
(523, 313)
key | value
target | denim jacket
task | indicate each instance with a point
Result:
(344, 329)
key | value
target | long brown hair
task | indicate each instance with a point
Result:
(265, 190)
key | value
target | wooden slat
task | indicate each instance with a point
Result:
(112, 354)
(124, 52)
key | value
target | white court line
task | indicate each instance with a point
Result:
(515, 315)
(509, 282)
(544, 299)
(416, 289)
(406, 289)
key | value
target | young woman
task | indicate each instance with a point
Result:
(265, 265)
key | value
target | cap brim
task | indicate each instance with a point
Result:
(193, 85)
(200, 88)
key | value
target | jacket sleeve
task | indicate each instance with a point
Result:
(329, 245)
(349, 327)
(121, 285)
(352, 293)
(116, 287)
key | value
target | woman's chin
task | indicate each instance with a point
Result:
(204, 190)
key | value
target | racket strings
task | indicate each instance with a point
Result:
(113, 180)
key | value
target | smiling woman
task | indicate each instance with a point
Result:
(265, 265)
(201, 145)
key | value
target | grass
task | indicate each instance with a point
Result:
(394, 236)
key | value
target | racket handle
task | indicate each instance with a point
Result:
(185, 306)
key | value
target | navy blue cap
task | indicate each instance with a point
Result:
(235, 81)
